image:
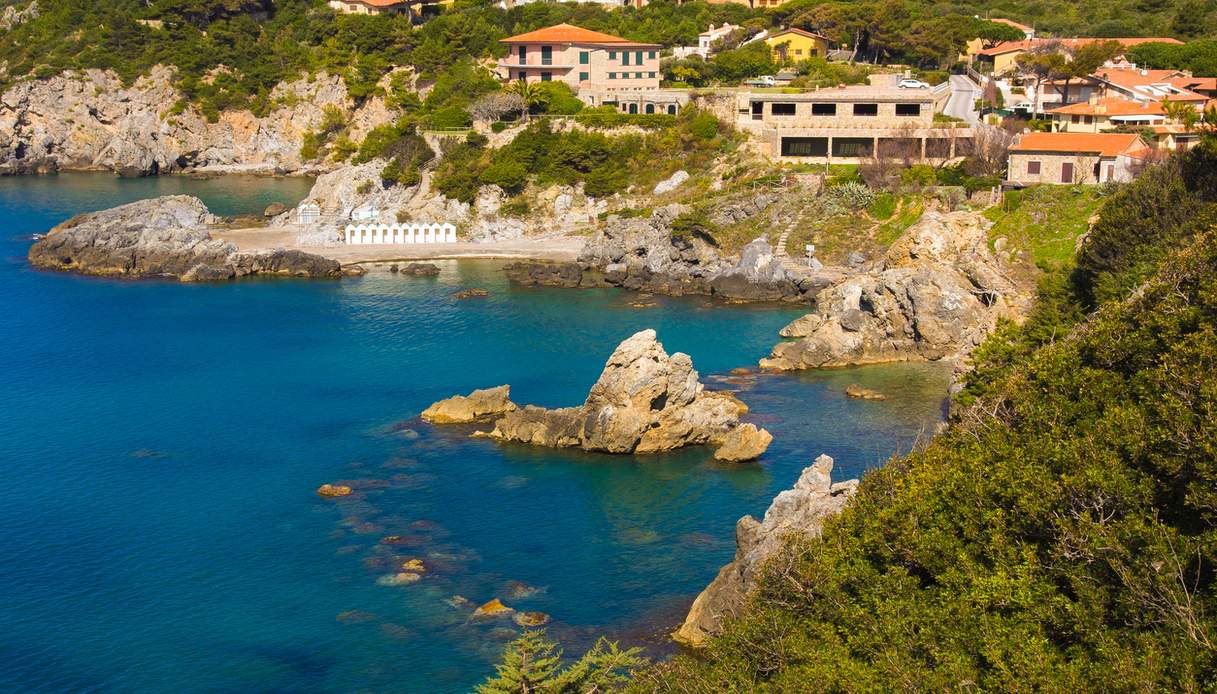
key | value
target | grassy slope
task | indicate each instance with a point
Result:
(1059, 537)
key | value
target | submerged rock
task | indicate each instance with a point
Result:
(798, 511)
(858, 392)
(334, 490)
(937, 294)
(478, 405)
(471, 293)
(163, 237)
(645, 401)
(530, 619)
(403, 578)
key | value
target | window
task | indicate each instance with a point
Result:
(823, 109)
(853, 147)
(781, 109)
(866, 109)
(1074, 119)
(612, 55)
(612, 75)
(798, 51)
(583, 77)
(547, 76)
(547, 55)
(583, 57)
(815, 52)
(522, 75)
(625, 58)
(638, 58)
(633, 108)
(523, 55)
(651, 75)
(650, 108)
(638, 75)
(804, 146)
(1087, 119)
(651, 55)
(1033, 168)
(908, 109)
(672, 109)
(1067, 172)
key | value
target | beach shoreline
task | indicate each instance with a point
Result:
(554, 248)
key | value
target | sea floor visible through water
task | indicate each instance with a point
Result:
(162, 443)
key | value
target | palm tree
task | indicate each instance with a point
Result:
(530, 93)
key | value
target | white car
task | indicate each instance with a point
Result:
(762, 81)
(912, 84)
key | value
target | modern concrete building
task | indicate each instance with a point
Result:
(851, 124)
(601, 68)
(1076, 158)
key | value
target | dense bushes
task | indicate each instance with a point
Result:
(1061, 536)
(604, 164)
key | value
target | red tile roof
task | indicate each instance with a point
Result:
(378, 3)
(1112, 106)
(568, 33)
(1027, 44)
(1103, 144)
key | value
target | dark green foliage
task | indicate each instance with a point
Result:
(1200, 57)
(450, 118)
(1060, 536)
(533, 665)
(609, 117)
(559, 99)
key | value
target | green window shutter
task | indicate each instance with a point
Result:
(638, 58)
(612, 75)
(612, 55)
(651, 55)
(583, 58)
(583, 77)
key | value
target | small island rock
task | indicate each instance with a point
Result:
(419, 269)
(493, 608)
(333, 490)
(463, 409)
(745, 442)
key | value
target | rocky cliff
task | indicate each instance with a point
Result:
(163, 237)
(936, 295)
(645, 401)
(800, 511)
(90, 120)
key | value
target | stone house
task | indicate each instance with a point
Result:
(1076, 158)
(850, 124)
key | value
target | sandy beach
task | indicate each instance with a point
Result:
(550, 248)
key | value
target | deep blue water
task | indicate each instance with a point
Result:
(161, 444)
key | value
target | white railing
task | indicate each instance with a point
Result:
(366, 234)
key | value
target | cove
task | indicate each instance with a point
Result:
(161, 445)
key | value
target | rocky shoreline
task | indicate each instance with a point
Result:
(165, 237)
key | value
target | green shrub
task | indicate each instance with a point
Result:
(450, 118)
(559, 99)
(511, 176)
(883, 207)
(499, 126)
(704, 125)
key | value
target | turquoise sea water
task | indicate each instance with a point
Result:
(161, 444)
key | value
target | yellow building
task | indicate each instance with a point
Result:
(796, 45)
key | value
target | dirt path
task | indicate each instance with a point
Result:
(551, 248)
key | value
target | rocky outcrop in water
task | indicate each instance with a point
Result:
(478, 405)
(163, 237)
(797, 512)
(645, 401)
(91, 120)
(937, 294)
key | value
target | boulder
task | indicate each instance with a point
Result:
(797, 512)
(645, 401)
(758, 276)
(745, 442)
(858, 392)
(163, 237)
(274, 209)
(478, 405)
(493, 608)
(530, 619)
(671, 183)
(333, 490)
(419, 269)
(937, 294)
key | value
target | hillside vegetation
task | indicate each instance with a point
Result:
(1062, 535)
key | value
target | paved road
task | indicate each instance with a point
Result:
(964, 94)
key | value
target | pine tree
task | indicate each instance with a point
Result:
(532, 665)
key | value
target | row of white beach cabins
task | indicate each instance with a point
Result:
(398, 233)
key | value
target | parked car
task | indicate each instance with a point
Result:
(912, 84)
(762, 81)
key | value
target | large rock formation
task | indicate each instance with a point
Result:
(92, 120)
(937, 294)
(795, 512)
(478, 405)
(163, 237)
(645, 401)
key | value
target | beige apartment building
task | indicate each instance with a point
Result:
(601, 68)
(850, 124)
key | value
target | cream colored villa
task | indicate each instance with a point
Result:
(369, 6)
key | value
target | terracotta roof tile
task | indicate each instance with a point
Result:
(800, 32)
(568, 33)
(1112, 106)
(1026, 44)
(1105, 144)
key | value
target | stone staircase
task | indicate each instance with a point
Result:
(780, 252)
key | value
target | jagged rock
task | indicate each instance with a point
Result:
(858, 392)
(642, 254)
(937, 294)
(420, 269)
(493, 608)
(759, 276)
(163, 237)
(800, 511)
(478, 405)
(734, 212)
(743, 443)
(671, 183)
(801, 326)
(645, 401)
(547, 274)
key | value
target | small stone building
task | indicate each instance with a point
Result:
(1073, 158)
